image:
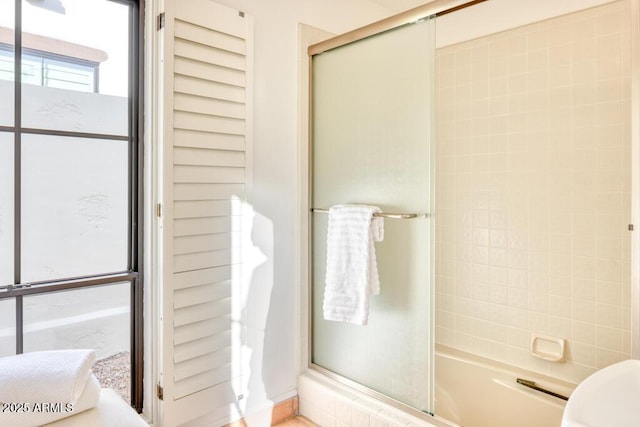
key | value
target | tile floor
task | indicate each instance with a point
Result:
(297, 421)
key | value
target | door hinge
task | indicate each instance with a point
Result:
(161, 21)
(160, 392)
(159, 210)
(630, 228)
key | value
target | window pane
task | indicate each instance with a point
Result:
(94, 318)
(68, 76)
(75, 66)
(74, 207)
(6, 208)
(7, 327)
(6, 62)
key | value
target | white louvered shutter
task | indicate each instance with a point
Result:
(204, 139)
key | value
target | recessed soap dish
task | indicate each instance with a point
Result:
(548, 348)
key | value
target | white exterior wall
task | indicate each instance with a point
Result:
(74, 221)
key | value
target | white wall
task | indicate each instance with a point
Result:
(271, 303)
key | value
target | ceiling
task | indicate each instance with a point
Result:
(397, 6)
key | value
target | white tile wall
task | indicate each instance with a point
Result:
(533, 191)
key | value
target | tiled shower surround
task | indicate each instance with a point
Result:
(533, 192)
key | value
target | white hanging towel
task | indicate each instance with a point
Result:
(352, 271)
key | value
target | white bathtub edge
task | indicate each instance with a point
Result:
(329, 403)
(473, 389)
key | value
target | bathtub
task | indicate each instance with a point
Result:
(472, 391)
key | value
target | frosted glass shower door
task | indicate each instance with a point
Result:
(371, 145)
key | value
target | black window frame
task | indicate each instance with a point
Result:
(133, 274)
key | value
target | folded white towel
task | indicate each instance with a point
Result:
(352, 271)
(45, 376)
(40, 413)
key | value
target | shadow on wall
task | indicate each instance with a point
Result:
(251, 306)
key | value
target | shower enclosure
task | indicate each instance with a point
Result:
(372, 132)
(507, 156)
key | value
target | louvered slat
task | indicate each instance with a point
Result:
(210, 174)
(198, 278)
(201, 294)
(202, 53)
(209, 89)
(209, 37)
(210, 106)
(200, 191)
(206, 243)
(191, 68)
(204, 208)
(197, 226)
(208, 345)
(209, 259)
(214, 141)
(205, 380)
(198, 312)
(201, 364)
(205, 123)
(206, 157)
(202, 329)
(227, 21)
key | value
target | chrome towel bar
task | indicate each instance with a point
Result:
(384, 214)
(534, 386)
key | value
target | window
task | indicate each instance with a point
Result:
(45, 69)
(70, 182)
